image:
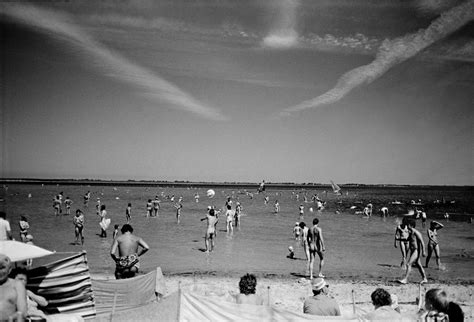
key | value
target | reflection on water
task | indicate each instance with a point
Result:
(355, 246)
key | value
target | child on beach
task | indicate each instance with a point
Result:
(87, 197)
(277, 206)
(291, 255)
(297, 231)
(417, 249)
(301, 210)
(128, 213)
(211, 230)
(433, 245)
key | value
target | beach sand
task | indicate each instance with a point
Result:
(289, 294)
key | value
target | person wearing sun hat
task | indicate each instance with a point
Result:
(321, 303)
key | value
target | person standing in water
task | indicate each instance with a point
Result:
(211, 230)
(78, 221)
(401, 235)
(433, 245)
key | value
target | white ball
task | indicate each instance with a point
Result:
(211, 193)
(311, 209)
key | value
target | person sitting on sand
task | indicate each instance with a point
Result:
(433, 245)
(401, 235)
(211, 230)
(33, 300)
(129, 248)
(438, 308)
(417, 248)
(320, 303)
(382, 301)
(316, 246)
(12, 293)
(247, 287)
(78, 221)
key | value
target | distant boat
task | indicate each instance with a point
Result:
(336, 189)
(396, 202)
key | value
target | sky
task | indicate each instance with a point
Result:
(354, 91)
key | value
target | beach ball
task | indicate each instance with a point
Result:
(210, 193)
(311, 209)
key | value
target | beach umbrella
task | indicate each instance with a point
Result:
(18, 251)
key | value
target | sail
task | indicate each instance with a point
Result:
(335, 188)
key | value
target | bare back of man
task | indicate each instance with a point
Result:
(12, 292)
(129, 248)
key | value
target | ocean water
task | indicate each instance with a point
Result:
(356, 247)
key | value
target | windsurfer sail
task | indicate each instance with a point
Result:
(336, 189)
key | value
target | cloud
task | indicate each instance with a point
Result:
(111, 63)
(391, 53)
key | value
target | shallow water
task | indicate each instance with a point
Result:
(356, 247)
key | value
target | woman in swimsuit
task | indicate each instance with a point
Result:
(401, 235)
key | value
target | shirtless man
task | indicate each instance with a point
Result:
(130, 248)
(417, 248)
(316, 246)
(211, 230)
(12, 293)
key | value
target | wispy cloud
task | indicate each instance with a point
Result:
(391, 53)
(57, 25)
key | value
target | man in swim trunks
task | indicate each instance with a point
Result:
(417, 248)
(401, 235)
(211, 230)
(129, 248)
(304, 239)
(316, 246)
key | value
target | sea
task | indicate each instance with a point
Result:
(357, 247)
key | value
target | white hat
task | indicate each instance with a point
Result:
(318, 283)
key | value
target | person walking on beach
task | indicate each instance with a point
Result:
(104, 221)
(401, 235)
(211, 230)
(87, 197)
(5, 229)
(78, 221)
(129, 248)
(417, 248)
(156, 206)
(178, 207)
(316, 246)
(128, 213)
(67, 204)
(229, 214)
(304, 240)
(433, 245)
(24, 226)
(149, 208)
